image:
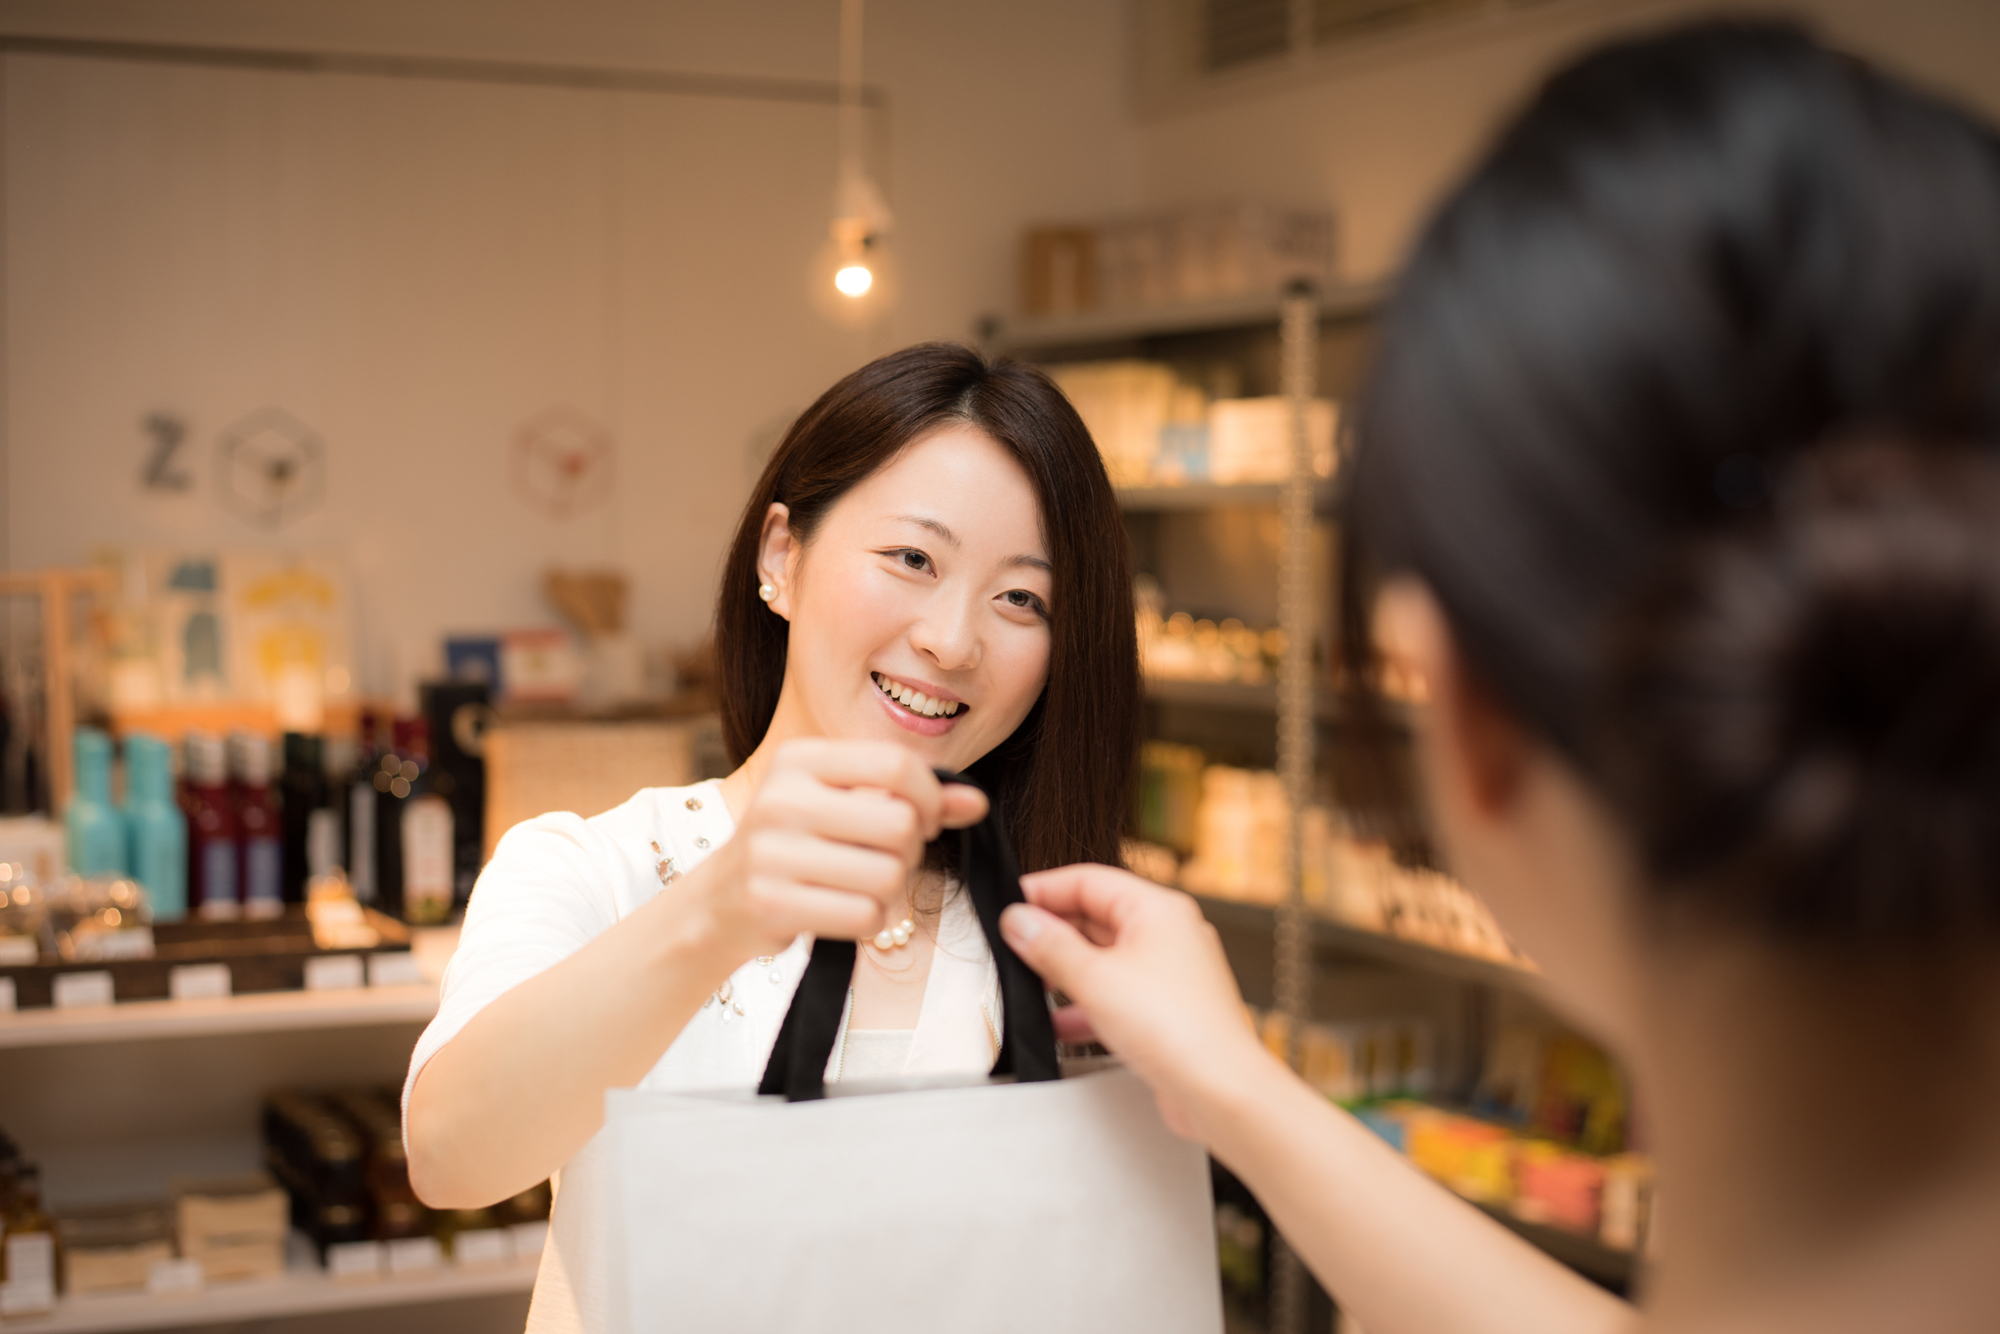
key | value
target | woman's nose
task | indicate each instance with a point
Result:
(946, 635)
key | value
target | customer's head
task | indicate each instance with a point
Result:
(934, 556)
(1685, 416)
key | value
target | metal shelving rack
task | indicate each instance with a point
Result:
(1297, 725)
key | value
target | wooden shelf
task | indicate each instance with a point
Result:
(1345, 301)
(1338, 940)
(172, 722)
(299, 1292)
(276, 1011)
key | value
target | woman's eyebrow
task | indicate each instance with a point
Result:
(932, 524)
(1033, 562)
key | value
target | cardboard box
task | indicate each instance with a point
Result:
(113, 1249)
(234, 1225)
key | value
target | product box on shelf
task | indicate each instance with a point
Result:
(114, 1248)
(235, 1226)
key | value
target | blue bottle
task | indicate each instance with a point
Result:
(96, 834)
(155, 827)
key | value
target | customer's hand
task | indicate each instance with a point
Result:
(1148, 977)
(826, 847)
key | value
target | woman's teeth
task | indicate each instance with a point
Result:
(916, 701)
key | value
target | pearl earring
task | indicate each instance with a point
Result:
(767, 591)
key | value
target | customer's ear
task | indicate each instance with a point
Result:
(1475, 748)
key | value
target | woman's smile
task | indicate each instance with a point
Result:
(925, 709)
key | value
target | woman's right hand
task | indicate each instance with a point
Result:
(826, 847)
(1148, 979)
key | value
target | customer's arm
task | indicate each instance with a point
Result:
(1400, 1252)
(829, 840)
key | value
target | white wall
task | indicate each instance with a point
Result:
(415, 267)
(1382, 135)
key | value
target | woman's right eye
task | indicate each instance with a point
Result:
(914, 560)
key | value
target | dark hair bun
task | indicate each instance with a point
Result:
(1801, 713)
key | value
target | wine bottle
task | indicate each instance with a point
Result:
(360, 787)
(428, 845)
(260, 878)
(395, 771)
(214, 850)
(302, 791)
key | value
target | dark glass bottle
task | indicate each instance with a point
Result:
(214, 850)
(261, 877)
(396, 772)
(427, 833)
(303, 789)
(361, 796)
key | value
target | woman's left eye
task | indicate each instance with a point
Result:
(1021, 597)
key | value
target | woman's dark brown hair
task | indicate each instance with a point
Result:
(1064, 778)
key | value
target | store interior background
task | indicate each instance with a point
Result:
(414, 267)
(418, 266)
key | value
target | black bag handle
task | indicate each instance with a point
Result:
(797, 1067)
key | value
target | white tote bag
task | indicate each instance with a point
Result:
(1024, 1203)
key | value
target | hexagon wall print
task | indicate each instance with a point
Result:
(270, 468)
(562, 463)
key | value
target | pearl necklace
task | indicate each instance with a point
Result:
(895, 937)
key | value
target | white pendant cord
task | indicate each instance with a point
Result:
(850, 89)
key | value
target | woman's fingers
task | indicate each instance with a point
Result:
(881, 765)
(790, 856)
(963, 806)
(866, 817)
(792, 909)
(1052, 947)
(1101, 897)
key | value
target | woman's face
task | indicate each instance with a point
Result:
(920, 610)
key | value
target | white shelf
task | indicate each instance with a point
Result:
(1233, 312)
(264, 1012)
(299, 1292)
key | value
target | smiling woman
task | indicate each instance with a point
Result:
(931, 574)
(963, 503)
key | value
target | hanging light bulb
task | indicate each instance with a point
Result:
(853, 277)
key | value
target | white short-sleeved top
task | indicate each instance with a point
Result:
(557, 882)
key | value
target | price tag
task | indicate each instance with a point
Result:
(356, 1259)
(7, 998)
(483, 1246)
(73, 991)
(529, 1238)
(415, 1255)
(334, 972)
(22, 1296)
(171, 1276)
(395, 969)
(198, 981)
